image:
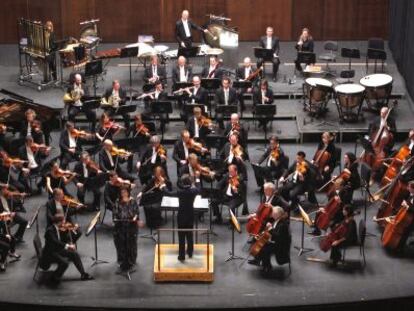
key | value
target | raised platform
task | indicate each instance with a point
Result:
(199, 268)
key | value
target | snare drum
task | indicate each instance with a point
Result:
(378, 88)
(350, 97)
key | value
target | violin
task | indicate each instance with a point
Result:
(122, 183)
(161, 151)
(71, 202)
(58, 172)
(235, 127)
(301, 167)
(141, 129)
(80, 134)
(198, 147)
(255, 223)
(68, 226)
(93, 166)
(205, 171)
(275, 153)
(7, 193)
(323, 219)
(237, 151)
(120, 152)
(234, 182)
(112, 125)
(9, 161)
(204, 122)
(39, 147)
(338, 233)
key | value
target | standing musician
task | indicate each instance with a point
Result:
(11, 202)
(325, 156)
(113, 98)
(244, 73)
(33, 154)
(213, 71)
(159, 94)
(275, 160)
(58, 178)
(304, 44)
(195, 170)
(87, 173)
(234, 153)
(154, 155)
(185, 215)
(183, 30)
(107, 128)
(184, 146)
(296, 180)
(126, 219)
(76, 92)
(279, 244)
(31, 126)
(154, 72)
(7, 242)
(111, 189)
(270, 42)
(59, 250)
(199, 125)
(388, 124)
(111, 158)
(226, 95)
(263, 96)
(236, 127)
(233, 190)
(51, 57)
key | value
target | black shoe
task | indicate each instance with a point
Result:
(267, 269)
(254, 262)
(182, 259)
(14, 255)
(315, 232)
(190, 255)
(86, 277)
(245, 211)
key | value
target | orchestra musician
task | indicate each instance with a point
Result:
(70, 147)
(305, 44)
(113, 98)
(275, 160)
(183, 147)
(279, 245)
(236, 127)
(198, 125)
(12, 202)
(408, 203)
(60, 251)
(272, 196)
(234, 153)
(270, 42)
(87, 173)
(183, 30)
(6, 169)
(190, 188)
(233, 190)
(77, 92)
(226, 95)
(263, 96)
(389, 125)
(195, 95)
(154, 155)
(195, 171)
(410, 142)
(110, 159)
(107, 128)
(181, 72)
(7, 245)
(213, 71)
(31, 126)
(243, 74)
(51, 57)
(126, 219)
(325, 150)
(159, 94)
(154, 72)
(58, 178)
(141, 135)
(111, 189)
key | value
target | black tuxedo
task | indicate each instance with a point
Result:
(65, 155)
(243, 135)
(240, 72)
(73, 111)
(220, 100)
(276, 200)
(275, 49)
(89, 183)
(188, 70)
(274, 169)
(106, 166)
(18, 218)
(224, 155)
(307, 46)
(180, 34)
(234, 201)
(24, 180)
(148, 73)
(113, 111)
(38, 137)
(354, 182)
(218, 73)
(257, 97)
(200, 97)
(147, 167)
(179, 152)
(202, 131)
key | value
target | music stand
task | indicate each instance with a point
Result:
(376, 55)
(366, 178)
(92, 227)
(161, 107)
(181, 85)
(265, 112)
(189, 108)
(91, 103)
(350, 54)
(93, 69)
(242, 84)
(210, 193)
(149, 199)
(305, 219)
(211, 85)
(235, 226)
(265, 54)
(215, 141)
(129, 53)
(226, 110)
(124, 109)
(188, 52)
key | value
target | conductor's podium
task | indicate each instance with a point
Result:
(199, 268)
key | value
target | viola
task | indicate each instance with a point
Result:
(58, 172)
(68, 226)
(237, 151)
(338, 233)
(122, 183)
(204, 121)
(323, 219)
(161, 151)
(205, 171)
(395, 165)
(275, 153)
(9, 161)
(198, 147)
(255, 223)
(112, 125)
(93, 166)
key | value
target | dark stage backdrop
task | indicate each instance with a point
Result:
(401, 39)
(123, 20)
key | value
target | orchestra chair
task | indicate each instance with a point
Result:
(346, 76)
(362, 232)
(330, 56)
(376, 51)
(338, 157)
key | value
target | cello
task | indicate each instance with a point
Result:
(255, 223)
(323, 156)
(323, 219)
(395, 165)
(338, 233)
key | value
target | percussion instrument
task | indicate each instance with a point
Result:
(220, 36)
(378, 88)
(160, 48)
(316, 91)
(89, 35)
(144, 49)
(349, 99)
(71, 54)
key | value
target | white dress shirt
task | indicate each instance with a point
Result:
(5, 204)
(247, 72)
(110, 157)
(185, 150)
(85, 170)
(186, 28)
(72, 141)
(196, 128)
(31, 158)
(183, 77)
(153, 156)
(226, 96)
(269, 43)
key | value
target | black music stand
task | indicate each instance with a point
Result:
(307, 58)
(123, 109)
(376, 55)
(91, 103)
(182, 85)
(210, 193)
(232, 255)
(226, 110)
(129, 53)
(266, 113)
(215, 141)
(211, 85)
(188, 52)
(149, 199)
(242, 84)
(265, 54)
(161, 107)
(366, 173)
(189, 108)
(350, 54)
(93, 69)
(92, 227)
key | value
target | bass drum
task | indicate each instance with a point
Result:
(220, 36)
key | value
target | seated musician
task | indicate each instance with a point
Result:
(195, 95)
(350, 238)
(279, 245)
(154, 72)
(327, 144)
(410, 142)
(270, 42)
(183, 147)
(263, 96)
(181, 72)
(226, 95)
(141, 136)
(58, 178)
(233, 190)
(12, 202)
(195, 171)
(112, 187)
(107, 128)
(275, 160)
(58, 205)
(110, 160)
(113, 98)
(7, 245)
(389, 123)
(159, 94)
(296, 180)
(304, 44)
(408, 203)
(236, 127)
(6, 174)
(243, 74)
(234, 153)
(271, 196)
(183, 29)
(60, 250)
(213, 71)
(87, 173)
(31, 126)
(77, 92)
(158, 186)
(70, 146)
(33, 154)
(198, 125)
(154, 155)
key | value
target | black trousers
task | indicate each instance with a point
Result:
(184, 236)
(125, 240)
(96, 195)
(67, 157)
(274, 60)
(232, 202)
(21, 223)
(24, 180)
(125, 116)
(265, 254)
(90, 115)
(62, 259)
(291, 191)
(6, 246)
